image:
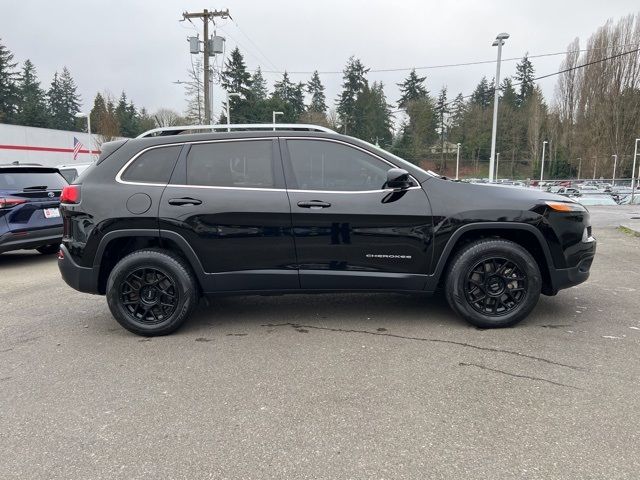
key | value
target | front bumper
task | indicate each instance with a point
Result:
(83, 279)
(562, 278)
(28, 239)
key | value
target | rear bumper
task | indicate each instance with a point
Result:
(562, 278)
(83, 279)
(28, 239)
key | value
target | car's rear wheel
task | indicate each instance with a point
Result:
(151, 292)
(49, 249)
(493, 283)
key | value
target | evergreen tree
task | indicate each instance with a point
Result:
(127, 117)
(283, 89)
(482, 95)
(316, 89)
(458, 111)
(98, 112)
(8, 88)
(442, 110)
(55, 108)
(235, 77)
(290, 96)
(258, 86)
(63, 101)
(412, 89)
(354, 82)
(32, 106)
(509, 96)
(524, 76)
(373, 115)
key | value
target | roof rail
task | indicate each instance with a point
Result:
(175, 130)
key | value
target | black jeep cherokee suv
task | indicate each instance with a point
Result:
(156, 222)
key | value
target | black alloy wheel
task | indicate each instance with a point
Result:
(149, 296)
(152, 292)
(493, 283)
(495, 286)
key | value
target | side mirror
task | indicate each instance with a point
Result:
(398, 178)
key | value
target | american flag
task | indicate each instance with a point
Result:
(77, 145)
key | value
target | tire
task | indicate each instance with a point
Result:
(151, 292)
(493, 283)
(49, 249)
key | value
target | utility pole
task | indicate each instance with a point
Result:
(206, 15)
(457, 161)
(615, 164)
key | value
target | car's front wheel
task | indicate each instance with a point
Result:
(493, 283)
(151, 292)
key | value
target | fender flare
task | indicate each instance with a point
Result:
(453, 240)
(182, 243)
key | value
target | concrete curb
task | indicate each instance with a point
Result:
(631, 227)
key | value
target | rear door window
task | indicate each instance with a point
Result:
(242, 164)
(153, 166)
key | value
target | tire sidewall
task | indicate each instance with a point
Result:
(487, 250)
(167, 266)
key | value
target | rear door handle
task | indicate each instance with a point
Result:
(185, 201)
(314, 204)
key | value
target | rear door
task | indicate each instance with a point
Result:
(350, 231)
(34, 197)
(227, 200)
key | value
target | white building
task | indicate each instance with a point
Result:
(44, 146)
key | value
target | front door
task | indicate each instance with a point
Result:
(227, 199)
(350, 231)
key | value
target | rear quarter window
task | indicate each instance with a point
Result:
(153, 166)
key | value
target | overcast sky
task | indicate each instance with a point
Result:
(140, 46)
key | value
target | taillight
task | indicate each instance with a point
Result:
(70, 194)
(10, 202)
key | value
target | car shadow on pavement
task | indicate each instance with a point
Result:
(19, 258)
(242, 312)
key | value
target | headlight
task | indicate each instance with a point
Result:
(565, 206)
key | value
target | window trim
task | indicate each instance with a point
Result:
(350, 145)
(135, 157)
(196, 142)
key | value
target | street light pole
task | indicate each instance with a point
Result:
(633, 172)
(544, 144)
(273, 118)
(615, 164)
(497, 164)
(458, 161)
(499, 41)
(579, 166)
(229, 95)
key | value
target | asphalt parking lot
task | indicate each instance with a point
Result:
(341, 386)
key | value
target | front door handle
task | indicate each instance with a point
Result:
(314, 204)
(184, 201)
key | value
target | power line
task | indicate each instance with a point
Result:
(562, 71)
(446, 65)
(255, 45)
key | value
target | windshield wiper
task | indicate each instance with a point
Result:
(35, 187)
